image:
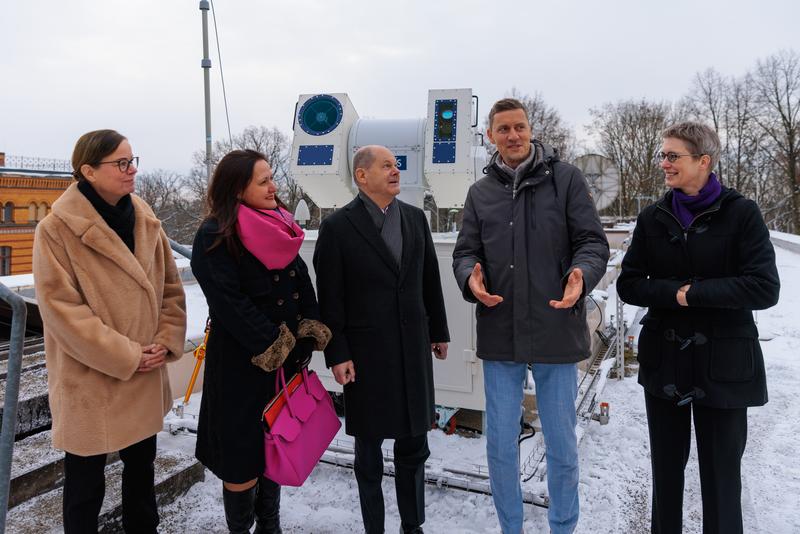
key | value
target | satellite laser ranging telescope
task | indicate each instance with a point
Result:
(602, 177)
(440, 154)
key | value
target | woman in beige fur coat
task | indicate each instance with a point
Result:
(113, 309)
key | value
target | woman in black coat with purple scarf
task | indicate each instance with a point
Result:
(700, 260)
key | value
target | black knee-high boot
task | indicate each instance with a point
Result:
(239, 509)
(268, 507)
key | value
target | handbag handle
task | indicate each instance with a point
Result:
(280, 381)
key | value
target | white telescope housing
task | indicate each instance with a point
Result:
(439, 153)
(405, 138)
(452, 160)
(320, 161)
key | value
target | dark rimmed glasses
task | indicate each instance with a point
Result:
(123, 164)
(672, 157)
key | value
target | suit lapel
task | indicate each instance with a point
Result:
(357, 215)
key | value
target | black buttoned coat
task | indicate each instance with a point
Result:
(712, 344)
(383, 317)
(246, 303)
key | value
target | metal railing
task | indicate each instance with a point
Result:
(39, 164)
(183, 250)
(18, 319)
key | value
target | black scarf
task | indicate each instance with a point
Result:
(387, 223)
(120, 218)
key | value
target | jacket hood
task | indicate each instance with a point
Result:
(544, 153)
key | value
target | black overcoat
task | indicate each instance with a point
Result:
(383, 317)
(246, 304)
(712, 344)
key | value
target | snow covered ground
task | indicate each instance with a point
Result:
(615, 465)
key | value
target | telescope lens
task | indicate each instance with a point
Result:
(320, 114)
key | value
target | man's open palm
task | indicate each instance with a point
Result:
(572, 291)
(478, 288)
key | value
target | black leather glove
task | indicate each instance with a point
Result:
(300, 355)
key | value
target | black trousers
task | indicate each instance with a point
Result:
(410, 454)
(721, 436)
(84, 489)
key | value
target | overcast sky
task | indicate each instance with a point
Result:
(70, 67)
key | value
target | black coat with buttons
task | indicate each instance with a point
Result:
(710, 349)
(246, 303)
(383, 317)
(528, 240)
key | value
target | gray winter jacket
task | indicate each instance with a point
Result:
(528, 237)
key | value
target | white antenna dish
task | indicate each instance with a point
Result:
(602, 176)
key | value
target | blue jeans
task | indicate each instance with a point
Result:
(556, 391)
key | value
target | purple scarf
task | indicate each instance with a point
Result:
(685, 208)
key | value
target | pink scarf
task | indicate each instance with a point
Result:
(272, 236)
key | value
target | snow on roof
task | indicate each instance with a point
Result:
(792, 238)
(615, 484)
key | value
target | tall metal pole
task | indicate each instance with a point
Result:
(205, 64)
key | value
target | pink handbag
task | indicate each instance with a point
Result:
(301, 432)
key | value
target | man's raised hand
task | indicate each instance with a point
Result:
(478, 288)
(572, 291)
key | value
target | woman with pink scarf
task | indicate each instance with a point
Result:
(264, 315)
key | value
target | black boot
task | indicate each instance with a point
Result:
(239, 509)
(268, 507)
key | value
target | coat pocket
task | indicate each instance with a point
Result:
(650, 343)
(733, 353)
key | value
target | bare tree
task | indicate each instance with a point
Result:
(546, 123)
(159, 188)
(707, 101)
(165, 192)
(271, 142)
(777, 86)
(629, 133)
(729, 106)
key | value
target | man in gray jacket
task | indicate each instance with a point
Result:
(530, 248)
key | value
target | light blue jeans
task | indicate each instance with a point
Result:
(556, 390)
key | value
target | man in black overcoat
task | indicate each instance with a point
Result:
(380, 294)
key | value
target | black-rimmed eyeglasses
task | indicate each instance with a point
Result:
(123, 164)
(672, 157)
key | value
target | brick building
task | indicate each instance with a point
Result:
(28, 188)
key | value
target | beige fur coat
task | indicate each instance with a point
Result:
(100, 304)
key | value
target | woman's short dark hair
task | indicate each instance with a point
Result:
(231, 177)
(92, 147)
(698, 137)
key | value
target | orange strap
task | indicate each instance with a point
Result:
(199, 354)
